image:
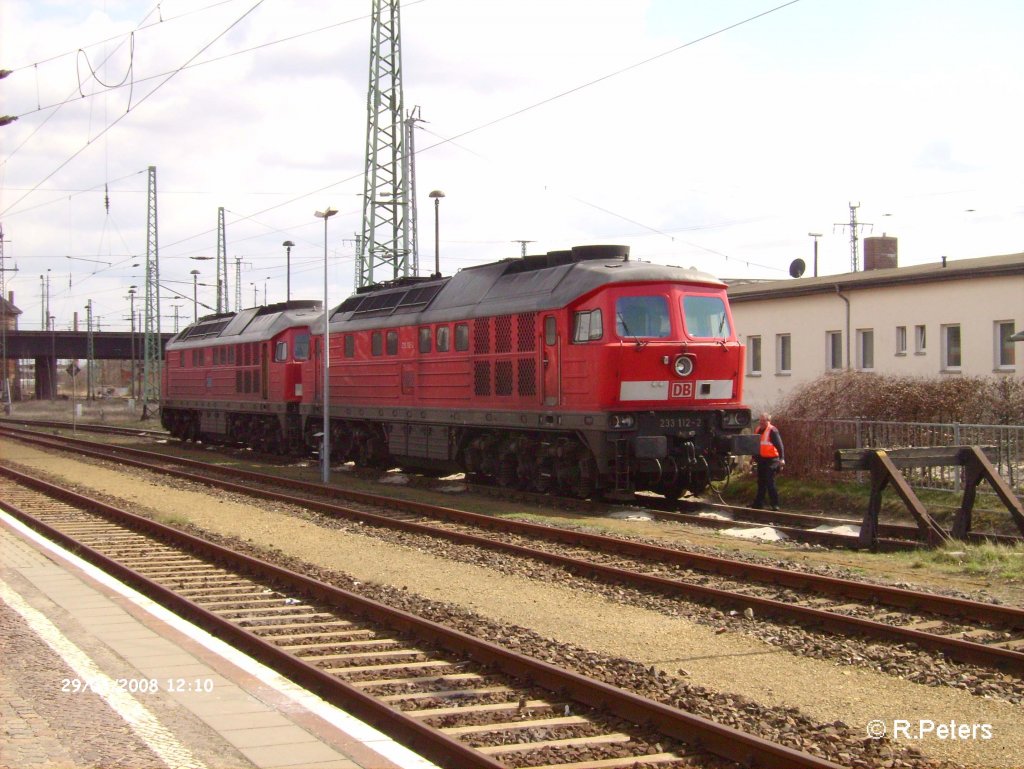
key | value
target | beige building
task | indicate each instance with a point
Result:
(950, 318)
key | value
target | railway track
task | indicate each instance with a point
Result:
(456, 699)
(978, 633)
(799, 527)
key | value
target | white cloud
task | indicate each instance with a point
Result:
(722, 154)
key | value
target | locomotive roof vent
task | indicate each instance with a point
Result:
(586, 253)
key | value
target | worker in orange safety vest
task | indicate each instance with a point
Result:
(770, 460)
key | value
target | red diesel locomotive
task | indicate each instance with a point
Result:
(579, 371)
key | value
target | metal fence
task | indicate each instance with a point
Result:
(810, 446)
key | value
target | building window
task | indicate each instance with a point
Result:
(951, 350)
(754, 355)
(783, 354)
(920, 340)
(865, 348)
(1006, 358)
(901, 340)
(834, 350)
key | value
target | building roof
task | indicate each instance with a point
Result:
(8, 308)
(933, 272)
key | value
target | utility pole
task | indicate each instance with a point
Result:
(855, 229)
(385, 242)
(151, 324)
(239, 264)
(522, 245)
(222, 263)
(90, 351)
(5, 384)
(409, 158)
(131, 312)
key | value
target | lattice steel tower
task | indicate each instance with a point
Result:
(384, 248)
(222, 263)
(151, 327)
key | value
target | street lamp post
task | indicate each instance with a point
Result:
(288, 268)
(437, 195)
(195, 295)
(325, 452)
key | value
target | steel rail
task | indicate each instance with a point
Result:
(960, 649)
(893, 537)
(724, 741)
(895, 597)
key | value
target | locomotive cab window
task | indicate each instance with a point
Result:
(425, 339)
(350, 346)
(443, 338)
(281, 352)
(587, 326)
(392, 341)
(377, 343)
(642, 317)
(706, 317)
(302, 347)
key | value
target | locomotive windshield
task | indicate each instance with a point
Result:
(706, 317)
(638, 317)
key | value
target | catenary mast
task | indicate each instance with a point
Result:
(384, 248)
(151, 327)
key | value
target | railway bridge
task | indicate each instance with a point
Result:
(47, 347)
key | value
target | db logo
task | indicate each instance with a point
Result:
(680, 390)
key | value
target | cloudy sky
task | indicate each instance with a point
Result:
(712, 133)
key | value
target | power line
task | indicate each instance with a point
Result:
(616, 73)
(79, 151)
(452, 139)
(142, 27)
(290, 38)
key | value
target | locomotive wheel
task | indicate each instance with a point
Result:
(526, 473)
(273, 443)
(578, 476)
(369, 450)
(507, 474)
(342, 443)
(675, 491)
(543, 478)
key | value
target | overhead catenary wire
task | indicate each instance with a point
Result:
(141, 101)
(475, 129)
(528, 108)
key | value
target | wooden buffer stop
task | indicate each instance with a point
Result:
(886, 466)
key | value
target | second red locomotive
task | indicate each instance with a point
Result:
(580, 372)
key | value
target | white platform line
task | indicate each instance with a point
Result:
(344, 722)
(147, 726)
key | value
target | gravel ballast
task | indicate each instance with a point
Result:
(721, 660)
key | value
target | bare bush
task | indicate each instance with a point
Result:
(811, 439)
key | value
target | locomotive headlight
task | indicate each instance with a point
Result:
(622, 421)
(735, 418)
(683, 365)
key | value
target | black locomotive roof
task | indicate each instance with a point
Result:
(528, 284)
(250, 325)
